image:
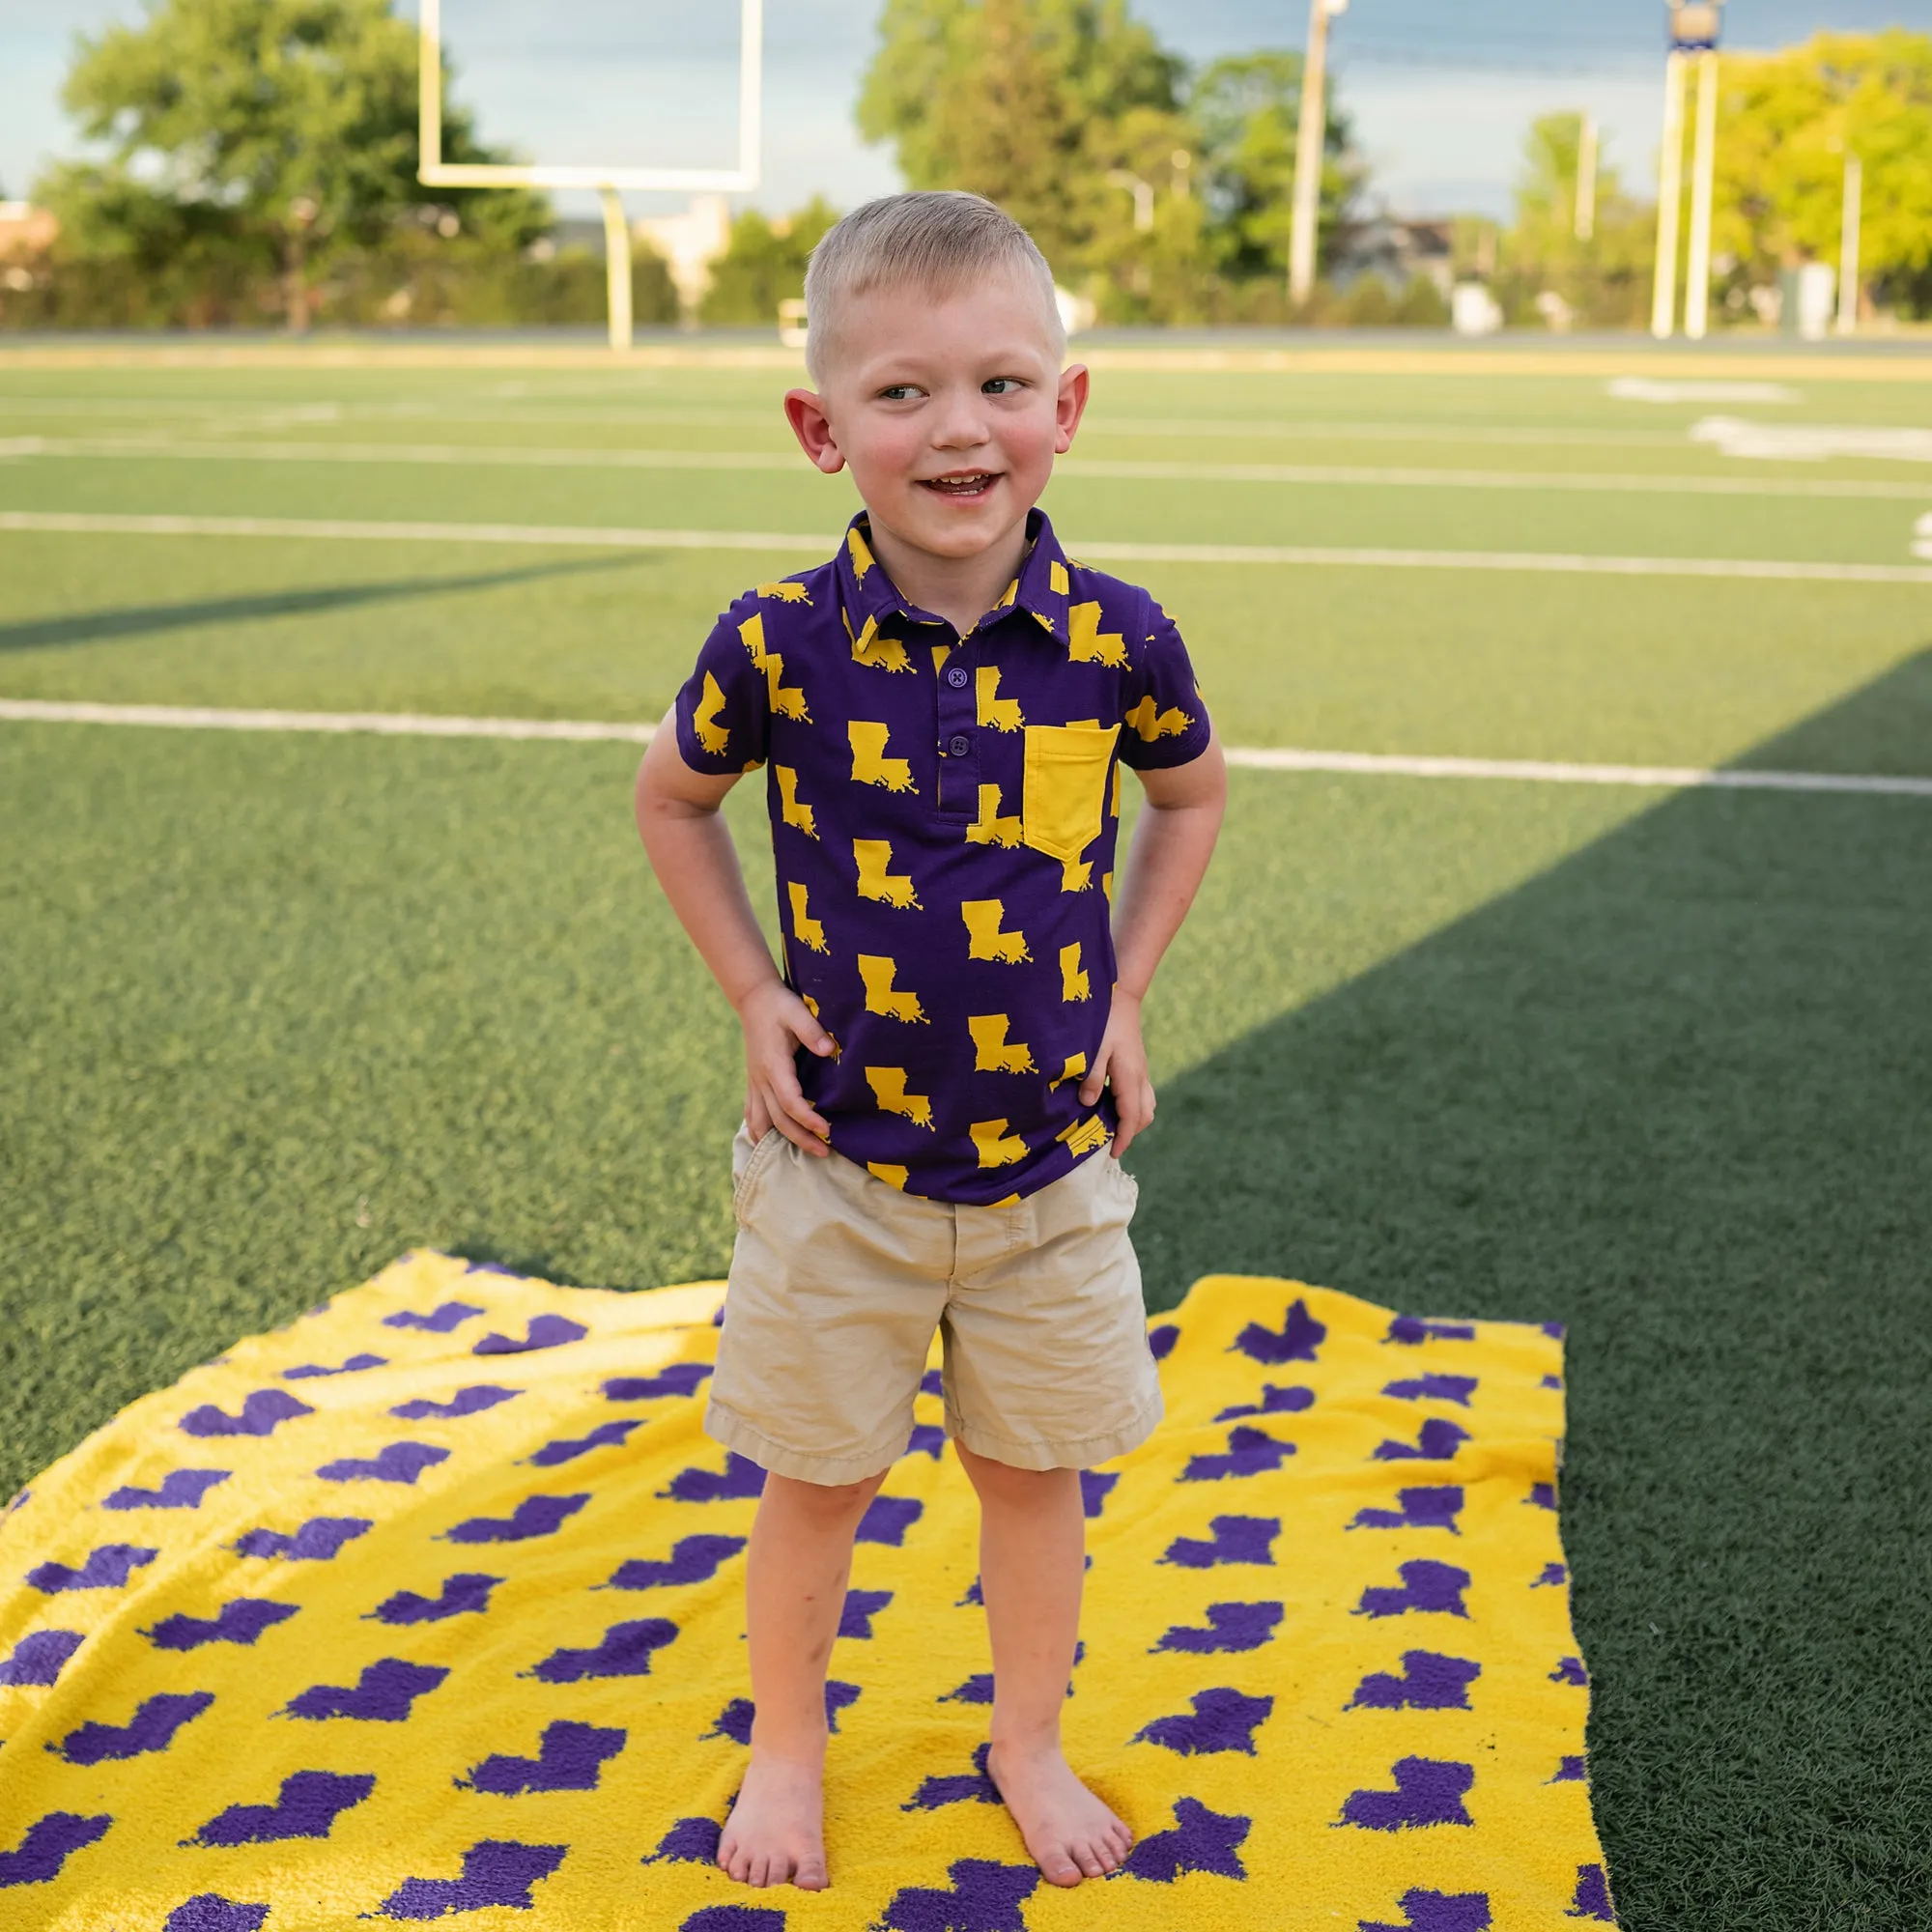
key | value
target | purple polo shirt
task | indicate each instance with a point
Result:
(943, 816)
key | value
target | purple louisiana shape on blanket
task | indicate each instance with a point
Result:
(977, 1690)
(1096, 1485)
(1425, 1586)
(240, 1620)
(394, 1462)
(567, 1448)
(1251, 1452)
(926, 1439)
(1569, 1670)
(1162, 1340)
(47, 1844)
(180, 1489)
(1436, 1911)
(545, 1331)
(691, 1842)
(534, 1516)
(317, 1541)
(1429, 1682)
(1234, 1539)
(466, 1591)
(734, 1919)
(439, 1320)
(569, 1757)
(1275, 1400)
(693, 1559)
(1430, 1508)
(623, 1651)
(855, 1620)
(1592, 1896)
(1570, 1770)
(1222, 1721)
(741, 1477)
(498, 1872)
(306, 1806)
(1230, 1627)
(970, 1787)
(107, 1568)
(1434, 1388)
(1542, 1495)
(1413, 1330)
(887, 1520)
(1301, 1335)
(355, 1365)
(1436, 1442)
(1554, 1573)
(734, 1720)
(1200, 1840)
(262, 1414)
(472, 1401)
(39, 1656)
(382, 1694)
(1428, 1791)
(932, 1383)
(152, 1728)
(678, 1378)
(209, 1912)
(983, 1897)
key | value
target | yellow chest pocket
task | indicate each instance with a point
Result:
(1064, 805)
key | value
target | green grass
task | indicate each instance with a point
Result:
(274, 1009)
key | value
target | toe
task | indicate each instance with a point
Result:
(810, 1875)
(1059, 1870)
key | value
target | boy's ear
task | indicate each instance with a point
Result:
(814, 429)
(1069, 407)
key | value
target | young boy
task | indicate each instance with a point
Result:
(933, 1084)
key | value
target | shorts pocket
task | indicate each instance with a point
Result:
(1064, 800)
(745, 1186)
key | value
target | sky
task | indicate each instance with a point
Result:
(1441, 92)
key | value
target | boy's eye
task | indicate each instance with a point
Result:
(1001, 386)
(898, 393)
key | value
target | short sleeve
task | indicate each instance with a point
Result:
(1165, 721)
(724, 711)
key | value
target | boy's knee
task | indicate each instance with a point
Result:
(1009, 1482)
(828, 1502)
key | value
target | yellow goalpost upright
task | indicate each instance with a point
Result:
(433, 171)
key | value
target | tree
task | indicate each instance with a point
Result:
(764, 262)
(1247, 109)
(280, 132)
(1786, 123)
(1604, 280)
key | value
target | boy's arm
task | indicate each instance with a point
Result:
(691, 851)
(1172, 844)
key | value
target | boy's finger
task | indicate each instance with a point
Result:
(810, 1121)
(1095, 1082)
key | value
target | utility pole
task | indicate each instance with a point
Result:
(1311, 138)
(1586, 179)
(1848, 245)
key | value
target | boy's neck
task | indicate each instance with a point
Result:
(961, 589)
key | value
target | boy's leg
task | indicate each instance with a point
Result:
(795, 1577)
(1032, 1557)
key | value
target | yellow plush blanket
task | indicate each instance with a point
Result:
(427, 1606)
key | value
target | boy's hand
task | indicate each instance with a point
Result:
(777, 1023)
(1122, 1063)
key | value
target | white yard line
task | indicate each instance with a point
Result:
(790, 461)
(417, 724)
(591, 536)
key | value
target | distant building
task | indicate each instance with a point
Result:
(1395, 250)
(25, 230)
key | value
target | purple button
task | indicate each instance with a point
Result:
(956, 677)
(959, 745)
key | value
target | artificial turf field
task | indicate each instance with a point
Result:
(1652, 1063)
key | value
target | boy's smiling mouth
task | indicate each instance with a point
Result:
(966, 483)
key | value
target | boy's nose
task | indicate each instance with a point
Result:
(962, 421)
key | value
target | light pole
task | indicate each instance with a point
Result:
(1586, 222)
(1311, 136)
(1848, 245)
(1694, 32)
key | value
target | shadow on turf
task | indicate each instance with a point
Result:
(1672, 1092)
(90, 627)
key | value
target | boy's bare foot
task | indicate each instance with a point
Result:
(776, 1832)
(1070, 1833)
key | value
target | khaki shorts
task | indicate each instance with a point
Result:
(839, 1280)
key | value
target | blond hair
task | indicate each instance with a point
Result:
(936, 241)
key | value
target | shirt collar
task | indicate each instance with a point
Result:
(1043, 588)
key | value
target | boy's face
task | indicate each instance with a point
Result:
(949, 409)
